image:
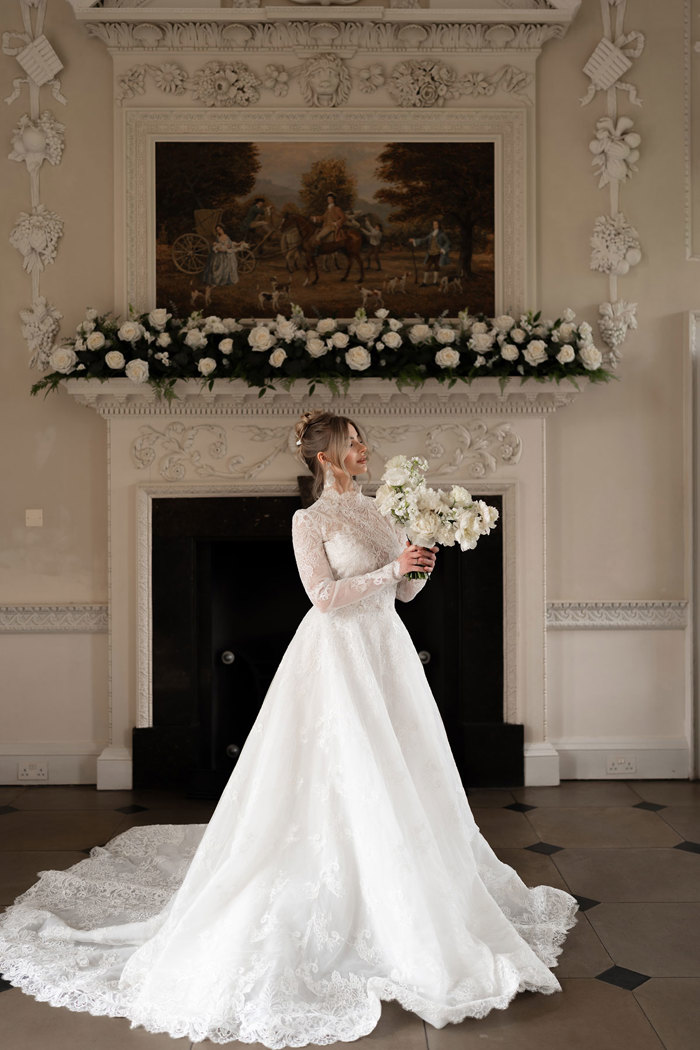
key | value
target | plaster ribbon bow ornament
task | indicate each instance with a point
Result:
(612, 58)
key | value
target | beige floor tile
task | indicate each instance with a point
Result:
(503, 827)
(578, 793)
(668, 792)
(601, 826)
(45, 830)
(583, 955)
(533, 868)
(660, 940)
(631, 874)
(18, 871)
(685, 820)
(84, 796)
(673, 1007)
(28, 1025)
(588, 1015)
(490, 797)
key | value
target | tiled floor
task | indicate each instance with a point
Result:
(630, 970)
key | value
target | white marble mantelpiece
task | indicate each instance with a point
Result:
(230, 442)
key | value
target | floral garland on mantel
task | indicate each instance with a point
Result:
(159, 349)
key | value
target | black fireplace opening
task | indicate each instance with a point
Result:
(226, 601)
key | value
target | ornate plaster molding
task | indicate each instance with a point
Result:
(121, 397)
(615, 148)
(609, 615)
(77, 618)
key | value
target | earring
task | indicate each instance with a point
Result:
(328, 475)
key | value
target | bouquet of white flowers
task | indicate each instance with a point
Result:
(431, 516)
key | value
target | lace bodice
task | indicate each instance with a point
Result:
(347, 551)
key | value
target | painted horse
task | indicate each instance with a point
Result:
(349, 243)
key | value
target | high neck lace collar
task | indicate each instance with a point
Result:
(331, 492)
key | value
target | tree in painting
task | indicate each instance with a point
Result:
(194, 175)
(329, 175)
(445, 181)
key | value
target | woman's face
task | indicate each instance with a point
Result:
(355, 461)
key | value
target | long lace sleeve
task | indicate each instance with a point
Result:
(323, 589)
(408, 589)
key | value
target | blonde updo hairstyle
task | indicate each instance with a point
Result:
(323, 432)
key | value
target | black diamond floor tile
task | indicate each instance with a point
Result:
(131, 809)
(544, 847)
(622, 978)
(8, 809)
(4, 985)
(520, 807)
(585, 903)
(652, 807)
(689, 847)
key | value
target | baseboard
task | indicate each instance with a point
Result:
(72, 762)
(541, 764)
(637, 759)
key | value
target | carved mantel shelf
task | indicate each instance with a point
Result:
(121, 397)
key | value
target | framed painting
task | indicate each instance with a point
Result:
(379, 209)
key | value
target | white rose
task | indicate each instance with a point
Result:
(286, 330)
(226, 346)
(63, 359)
(261, 338)
(568, 315)
(418, 333)
(591, 357)
(393, 340)
(504, 322)
(566, 331)
(518, 335)
(316, 347)
(137, 370)
(340, 339)
(358, 358)
(95, 341)
(366, 331)
(424, 528)
(510, 352)
(326, 325)
(585, 332)
(459, 496)
(396, 475)
(79, 344)
(231, 324)
(382, 313)
(115, 359)
(566, 354)
(196, 339)
(163, 339)
(540, 330)
(445, 335)
(479, 327)
(447, 357)
(214, 325)
(206, 365)
(90, 313)
(277, 357)
(481, 342)
(535, 352)
(489, 517)
(159, 318)
(394, 324)
(479, 361)
(130, 332)
(86, 327)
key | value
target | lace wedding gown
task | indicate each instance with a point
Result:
(342, 865)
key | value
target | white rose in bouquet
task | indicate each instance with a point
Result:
(316, 347)
(481, 342)
(459, 496)
(85, 327)
(504, 322)
(226, 346)
(278, 357)
(340, 340)
(164, 339)
(63, 359)
(445, 335)
(214, 326)
(467, 532)
(423, 528)
(510, 352)
(591, 357)
(535, 352)
(286, 330)
(206, 365)
(95, 341)
(326, 325)
(489, 516)
(159, 318)
(394, 324)
(137, 370)
(447, 357)
(585, 332)
(90, 313)
(568, 315)
(566, 354)
(518, 335)
(366, 331)
(358, 358)
(130, 332)
(419, 333)
(392, 339)
(261, 338)
(196, 339)
(115, 359)
(231, 324)
(566, 332)
(479, 328)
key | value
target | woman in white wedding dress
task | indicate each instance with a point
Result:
(342, 865)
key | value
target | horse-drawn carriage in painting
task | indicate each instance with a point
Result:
(190, 251)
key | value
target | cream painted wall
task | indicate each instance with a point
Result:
(615, 457)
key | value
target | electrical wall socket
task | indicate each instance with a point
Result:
(621, 764)
(32, 771)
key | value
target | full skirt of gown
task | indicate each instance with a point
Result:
(342, 867)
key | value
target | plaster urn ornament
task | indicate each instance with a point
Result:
(615, 150)
(325, 81)
(36, 236)
(40, 326)
(615, 245)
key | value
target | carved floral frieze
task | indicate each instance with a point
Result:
(427, 82)
(40, 327)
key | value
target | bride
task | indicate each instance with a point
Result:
(342, 866)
